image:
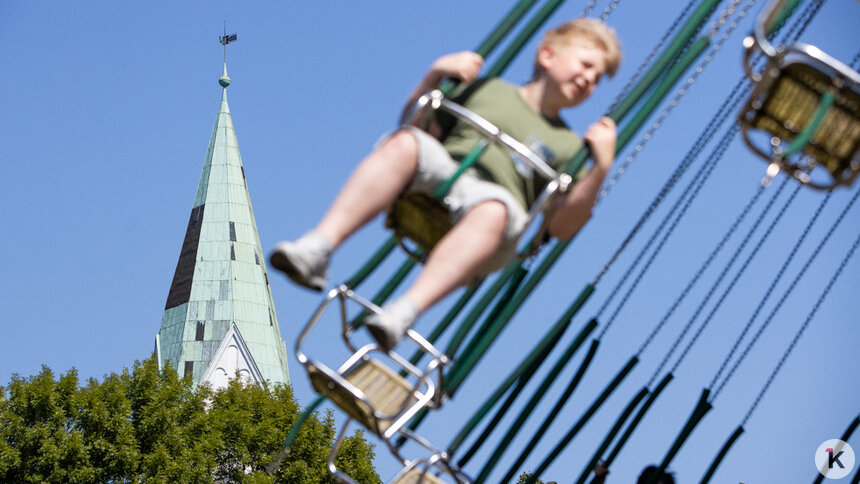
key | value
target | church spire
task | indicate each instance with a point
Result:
(220, 317)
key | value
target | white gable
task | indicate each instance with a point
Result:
(232, 356)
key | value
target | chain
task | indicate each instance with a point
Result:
(724, 17)
(769, 319)
(682, 205)
(675, 100)
(803, 327)
(651, 56)
(608, 10)
(588, 8)
(741, 270)
(739, 91)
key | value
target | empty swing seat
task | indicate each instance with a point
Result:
(381, 390)
(418, 476)
(435, 469)
(804, 102)
(375, 396)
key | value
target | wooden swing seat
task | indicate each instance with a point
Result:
(418, 476)
(784, 107)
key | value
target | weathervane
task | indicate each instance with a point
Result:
(226, 39)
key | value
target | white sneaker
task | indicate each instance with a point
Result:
(305, 261)
(389, 326)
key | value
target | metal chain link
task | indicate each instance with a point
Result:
(724, 17)
(779, 304)
(651, 55)
(716, 121)
(588, 8)
(805, 18)
(741, 270)
(675, 100)
(790, 35)
(606, 11)
(711, 257)
(811, 10)
(803, 327)
(696, 186)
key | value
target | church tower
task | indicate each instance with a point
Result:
(219, 317)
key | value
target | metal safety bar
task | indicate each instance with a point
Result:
(558, 182)
(364, 386)
(435, 100)
(423, 470)
(807, 101)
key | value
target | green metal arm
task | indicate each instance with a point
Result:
(722, 454)
(537, 355)
(559, 404)
(635, 422)
(619, 422)
(533, 402)
(685, 35)
(702, 407)
(802, 139)
(584, 419)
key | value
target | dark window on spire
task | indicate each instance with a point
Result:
(201, 327)
(233, 231)
(232, 252)
(189, 369)
(257, 257)
(180, 288)
(224, 290)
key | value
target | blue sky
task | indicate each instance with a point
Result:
(107, 111)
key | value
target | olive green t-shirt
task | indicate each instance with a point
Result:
(500, 103)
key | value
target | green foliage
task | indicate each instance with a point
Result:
(149, 426)
(525, 476)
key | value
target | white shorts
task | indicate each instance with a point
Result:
(435, 167)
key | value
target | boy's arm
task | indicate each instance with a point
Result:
(461, 65)
(572, 212)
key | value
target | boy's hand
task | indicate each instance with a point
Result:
(601, 137)
(461, 65)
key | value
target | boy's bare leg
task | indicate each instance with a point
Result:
(453, 262)
(376, 182)
(457, 257)
(374, 185)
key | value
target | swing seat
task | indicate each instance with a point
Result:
(418, 476)
(430, 471)
(808, 103)
(425, 470)
(375, 397)
(420, 218)
(424, 219)
(370, 385)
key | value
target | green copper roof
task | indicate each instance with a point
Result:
(221, 276)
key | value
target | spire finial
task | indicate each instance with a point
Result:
(224, 80)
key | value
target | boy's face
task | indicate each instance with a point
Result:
(573, 72)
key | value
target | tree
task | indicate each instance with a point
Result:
(525, 476)
(149, 426)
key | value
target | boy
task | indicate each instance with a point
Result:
(488, 204)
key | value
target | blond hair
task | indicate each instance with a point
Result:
(586, 32)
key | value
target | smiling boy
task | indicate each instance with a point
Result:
(488, 204)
